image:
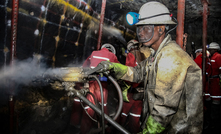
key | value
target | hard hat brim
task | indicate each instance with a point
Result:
(214, 48)
(149, 22)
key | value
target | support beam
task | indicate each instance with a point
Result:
(101, 24)
(14, 25)
(204, 40)
(180, 19)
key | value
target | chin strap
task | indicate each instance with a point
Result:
(173, 27)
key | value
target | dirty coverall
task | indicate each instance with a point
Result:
(173, 86)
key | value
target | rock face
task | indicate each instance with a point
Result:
(38, 110)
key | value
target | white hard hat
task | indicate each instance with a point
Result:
(154, 13)
(109, 47)
(213, 45)
(198, 50)
(132, 44)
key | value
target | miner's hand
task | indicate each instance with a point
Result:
(118, 69)
(104, 66)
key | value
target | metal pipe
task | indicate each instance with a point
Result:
(101, 24)
(96, 109)
(180, 19)
(204, 40)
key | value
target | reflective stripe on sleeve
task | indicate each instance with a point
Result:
(77, 100)
(124, 114)
(206, 94)
(215, 96)
(86, 107)
(98, 57)
(135, 115)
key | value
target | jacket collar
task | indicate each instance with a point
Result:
(163, 43)
(215, 53)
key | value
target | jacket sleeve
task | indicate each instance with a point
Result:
(138, 73)
(198, 61)
(130, 60)
(115, 60)
(219, 62)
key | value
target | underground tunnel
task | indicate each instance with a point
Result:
(41, 40)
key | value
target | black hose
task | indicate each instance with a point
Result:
(96, 109)
(102, 102)
(95, 100)
(120, 102)
(98, 130)
(119, 95)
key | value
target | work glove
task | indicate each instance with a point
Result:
(124, 87)
(118, 69)
(152, 127)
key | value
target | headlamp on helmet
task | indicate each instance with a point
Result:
(132, 18)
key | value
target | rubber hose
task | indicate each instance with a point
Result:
(120, 95)
(102, 102)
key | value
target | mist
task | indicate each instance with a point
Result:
(25, 72)
(114, 32)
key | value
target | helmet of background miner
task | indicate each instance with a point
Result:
(109, 47)
(132, 44)
(213, 47)
(154, 18)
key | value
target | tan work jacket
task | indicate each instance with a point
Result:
(173, 84)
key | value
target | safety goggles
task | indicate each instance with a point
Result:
(145, 33)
